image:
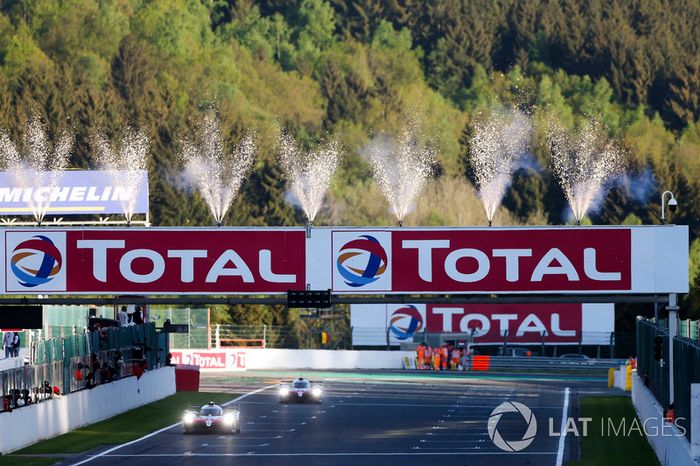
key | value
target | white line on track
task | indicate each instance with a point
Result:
(562, 430)
(107, 452)
(354, 453)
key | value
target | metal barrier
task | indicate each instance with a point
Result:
(29, 384)
(686, 371)
(653, 373)
(82, 360)
(541, 364)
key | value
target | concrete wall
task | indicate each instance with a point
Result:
(670, 444)
(35, 422)
(324, 359)
(243, 359)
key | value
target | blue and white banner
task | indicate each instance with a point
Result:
(74, 192)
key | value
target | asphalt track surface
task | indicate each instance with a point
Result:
(439, 421)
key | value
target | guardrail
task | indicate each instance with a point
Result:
(539, 364)
(547, 364)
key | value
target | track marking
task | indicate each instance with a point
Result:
(106, 452)
(354, 453)
(562, 430)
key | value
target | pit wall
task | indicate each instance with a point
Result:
(670, 445)
(256, 359)
(56, 416)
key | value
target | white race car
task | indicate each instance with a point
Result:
(300, 391)
(211, 418)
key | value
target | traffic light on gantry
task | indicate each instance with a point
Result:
(309, 298)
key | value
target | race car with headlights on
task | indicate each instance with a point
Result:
(300, 391)
(211, 418)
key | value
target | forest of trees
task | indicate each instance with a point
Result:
(349, 68)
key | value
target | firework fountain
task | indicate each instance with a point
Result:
(41, 164)
(216, 173)
(498, 143)
(309, 173)
(124, 163)
(401, 167)
(583, 161)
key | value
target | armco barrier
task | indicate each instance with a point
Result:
(241, 359)
(237, 359)
(670, 444)
(59, 415)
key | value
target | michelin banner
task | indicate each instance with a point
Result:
(491, 324)
(74, 192)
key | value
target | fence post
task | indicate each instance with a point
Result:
(264, 335)
(695, 420)
(544, 334)
(580, 342)
(217, 336)
(672, 332)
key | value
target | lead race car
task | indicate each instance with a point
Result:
(300, 390)
(211, 418)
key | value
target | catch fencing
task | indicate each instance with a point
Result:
(85, 359)
(655, 373)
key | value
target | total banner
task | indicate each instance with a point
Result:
(489, 324)
(511, 260)
(622, 260)
(222, 360)
(159, 261)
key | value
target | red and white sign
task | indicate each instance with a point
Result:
(211, 360)
(511, 260)
(158, 261)
(233, 261)
(550, 323)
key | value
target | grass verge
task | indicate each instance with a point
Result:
(119, 429)
(601, 447)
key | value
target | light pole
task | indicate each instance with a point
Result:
(672, 205)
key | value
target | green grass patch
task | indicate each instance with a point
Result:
(14, 460)
(119, 429)
(602, 447)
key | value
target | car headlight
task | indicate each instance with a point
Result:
(316, 392)
(189, 418)
(284, 391)
(229, 418)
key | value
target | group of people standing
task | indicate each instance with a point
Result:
(133, 316)
(441, 358)
(10, 343)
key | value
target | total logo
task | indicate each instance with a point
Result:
(362, 262)
(406, 322)
(35, 262)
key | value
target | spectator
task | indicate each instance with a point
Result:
(79, 373)
(15, 344)
(140, 368)
(105, 373)
(123, 317)
(138, 316)
(118, 364)
(7, 342)
(92, 373)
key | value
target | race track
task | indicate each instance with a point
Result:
(368, 422)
